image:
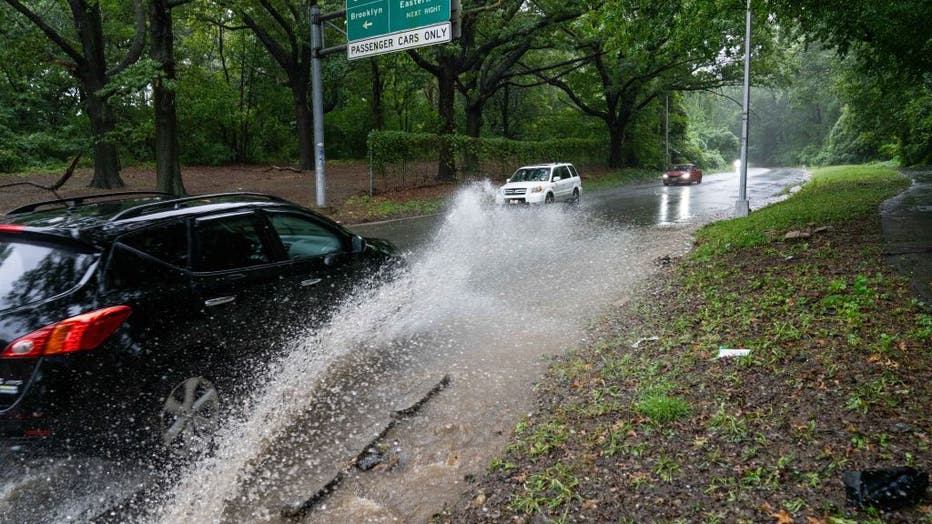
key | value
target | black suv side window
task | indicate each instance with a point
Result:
(229, 242)
(572, 169)
(168, 243)
(153, 256)
(304, 238)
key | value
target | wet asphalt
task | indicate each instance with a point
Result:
(906, 220)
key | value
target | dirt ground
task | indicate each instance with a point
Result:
(344, 180)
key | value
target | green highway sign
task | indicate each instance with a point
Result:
(382, 26)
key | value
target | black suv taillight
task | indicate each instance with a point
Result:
(78, 333)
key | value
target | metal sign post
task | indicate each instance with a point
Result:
(373, 27)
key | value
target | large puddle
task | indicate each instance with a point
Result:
(495, 292)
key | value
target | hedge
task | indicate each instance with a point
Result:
(403, 159)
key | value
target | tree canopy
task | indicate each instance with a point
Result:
(120, 82)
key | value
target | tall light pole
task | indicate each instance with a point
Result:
(742, 207)
(666, 130)
(317, 106)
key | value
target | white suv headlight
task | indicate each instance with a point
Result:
(537, 189)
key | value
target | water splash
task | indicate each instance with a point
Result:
(496, 287)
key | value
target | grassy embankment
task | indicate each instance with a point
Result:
(839, 377)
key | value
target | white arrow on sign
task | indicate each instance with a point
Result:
(366, 25)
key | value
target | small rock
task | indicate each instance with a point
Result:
(796, 235)
(480, 500)
(368, 461)
(902, 427)
(821, 229)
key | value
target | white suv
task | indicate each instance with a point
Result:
(541, 184)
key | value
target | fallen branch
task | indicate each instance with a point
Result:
(57, 185)
(277, 168)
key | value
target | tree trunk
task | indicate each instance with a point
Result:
(446, 170)
(616, 141)
(378, 113)
(304, 121)
(93, 76)
(167, 164)
(106, 157)
(473, 130)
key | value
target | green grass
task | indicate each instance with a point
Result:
(834, 194)
(552, 488)
(620, 178)
(378, 207)
(661, 407)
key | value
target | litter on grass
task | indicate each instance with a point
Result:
(885, 489)
(724, 352)
(642, 340)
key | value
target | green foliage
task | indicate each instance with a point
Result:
(381, 208)
(654, 49)
(621, 59)
(498, 157)
(662, 407)
(547, 490)
(620, 177)
(893, 36)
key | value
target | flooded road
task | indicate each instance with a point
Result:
(486, 298)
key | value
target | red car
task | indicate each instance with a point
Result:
(682, 174)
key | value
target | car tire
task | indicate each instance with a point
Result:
(574, 200)
(549, 198)
(190, 417)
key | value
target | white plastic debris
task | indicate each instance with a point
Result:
(724, 352)
(642, 340)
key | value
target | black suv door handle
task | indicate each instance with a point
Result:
(311, 282)
(219, 301)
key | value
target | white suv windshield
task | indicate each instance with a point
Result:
(537, 174)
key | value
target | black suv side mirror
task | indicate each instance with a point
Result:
(359, 244)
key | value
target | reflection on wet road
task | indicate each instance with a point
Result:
(648, 204)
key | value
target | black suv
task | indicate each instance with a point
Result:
(135, 314)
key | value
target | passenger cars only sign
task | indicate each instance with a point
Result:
(375, 27)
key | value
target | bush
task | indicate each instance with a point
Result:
(10, 161)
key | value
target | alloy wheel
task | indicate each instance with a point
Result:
(190, 417)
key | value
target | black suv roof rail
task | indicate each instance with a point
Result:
(176, 203)
(80, 200)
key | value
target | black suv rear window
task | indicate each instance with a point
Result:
(34, 271)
